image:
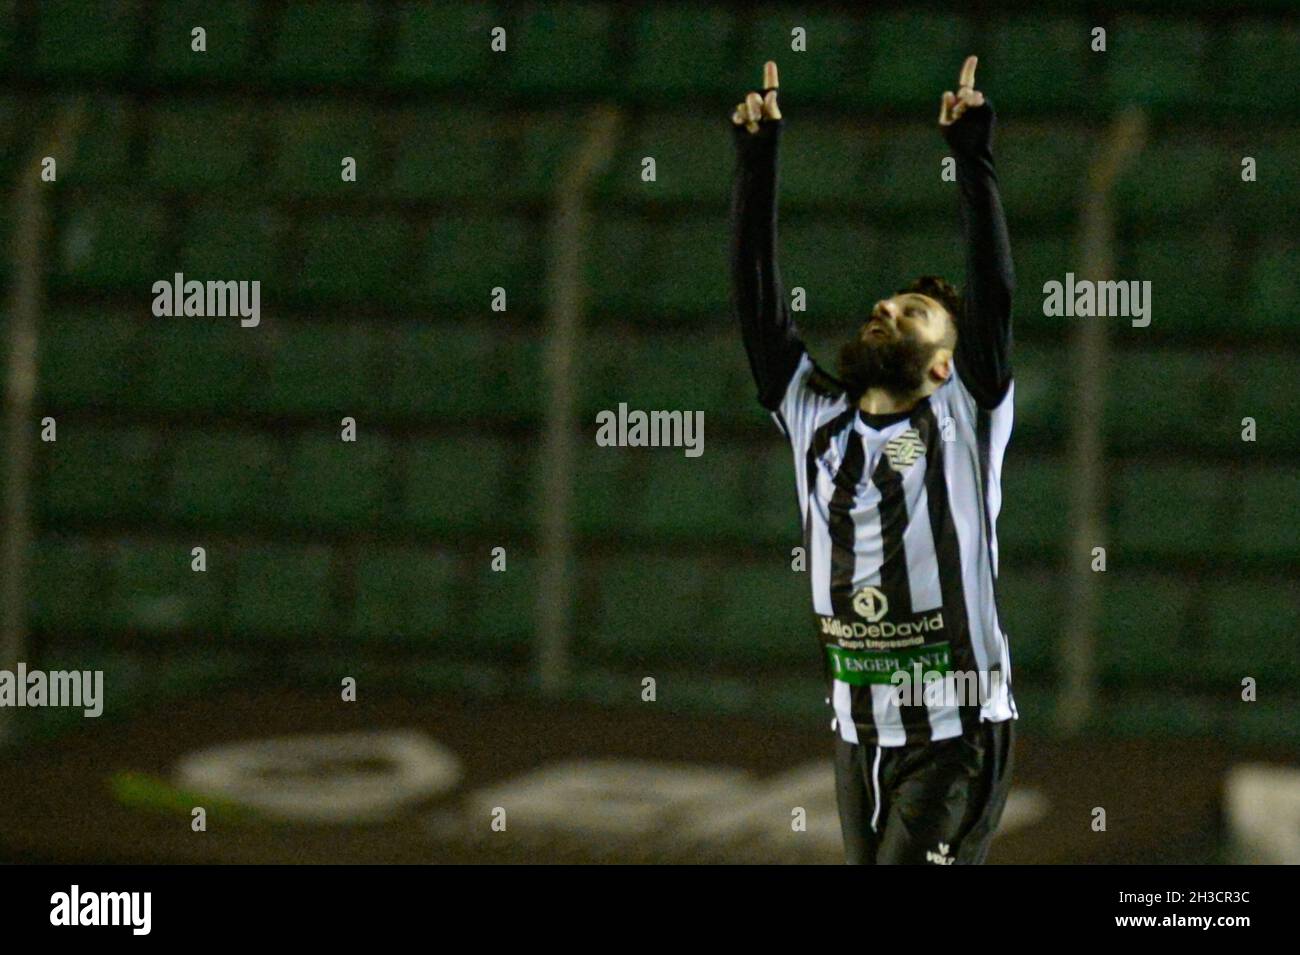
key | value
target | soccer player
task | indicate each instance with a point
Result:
(897, 462)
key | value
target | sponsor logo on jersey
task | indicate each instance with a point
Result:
(903, 634)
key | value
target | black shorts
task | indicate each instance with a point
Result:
(934, 803)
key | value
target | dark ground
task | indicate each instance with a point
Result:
(736, 783)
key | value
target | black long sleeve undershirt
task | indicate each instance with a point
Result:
(772, 342)
(758, 297)
(983, 354)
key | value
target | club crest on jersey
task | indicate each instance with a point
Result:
(903, 450)
(871, 603)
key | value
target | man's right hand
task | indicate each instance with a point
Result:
(758, 107)
(953, 107)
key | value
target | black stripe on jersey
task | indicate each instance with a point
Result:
(839, 522)
(821, 441)
(843, 533)
(893, 523)
(947, 551)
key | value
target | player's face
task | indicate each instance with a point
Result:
(896, 348)
(909, 315)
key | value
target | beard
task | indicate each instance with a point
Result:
(898, 367)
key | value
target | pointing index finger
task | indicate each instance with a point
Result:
(968, 72)
(769, 75)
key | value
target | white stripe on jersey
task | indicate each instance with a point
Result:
(887, 717)
(922, 571)
(805, 409)
(844, 712)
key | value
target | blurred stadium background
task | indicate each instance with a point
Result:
(373, 559)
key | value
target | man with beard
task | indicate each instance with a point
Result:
(898, 460)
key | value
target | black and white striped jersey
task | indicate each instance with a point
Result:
(899, 512)
(899, 515)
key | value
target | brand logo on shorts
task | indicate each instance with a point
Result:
(869, 602)
(941, 857)
(905, 449)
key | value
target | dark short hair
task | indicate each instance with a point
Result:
(941, 291)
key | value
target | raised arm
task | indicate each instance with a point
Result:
(983, 354)
(771, 339)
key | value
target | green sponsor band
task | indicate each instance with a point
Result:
(863, 667)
